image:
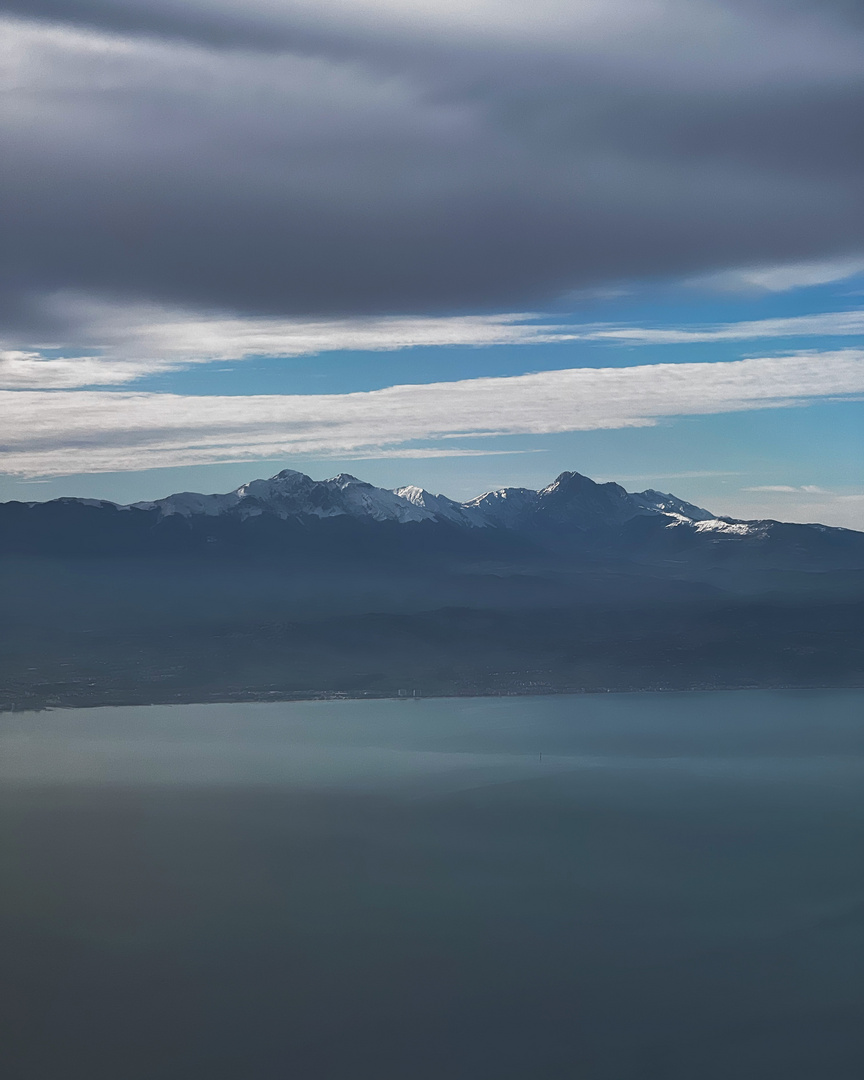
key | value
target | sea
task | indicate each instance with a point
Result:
(591, 887)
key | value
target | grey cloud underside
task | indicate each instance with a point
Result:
(275, 27)
(212, 25)
(259, 160)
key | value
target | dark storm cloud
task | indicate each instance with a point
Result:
(217, 25)
(342, 159)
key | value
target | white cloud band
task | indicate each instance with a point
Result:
(127, 343)
(829, 324)
(62, 432)
(136, 341)
(782, 277)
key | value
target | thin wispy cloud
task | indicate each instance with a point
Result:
(133, 342)
(690, 474)
(790, 489)
(129, 342)
(784, 277)
(829, 324)
(62, 432)
(29, 369)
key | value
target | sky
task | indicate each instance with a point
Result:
(463, 246)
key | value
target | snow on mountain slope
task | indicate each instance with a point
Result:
(441, 507)
(734, 528)
(187, 503)
(660, 502)
(573, 513)
(506, 507)
(292, 494)
(570, 500)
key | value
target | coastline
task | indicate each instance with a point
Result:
(42, 703)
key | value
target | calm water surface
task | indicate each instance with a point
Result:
(611, 887)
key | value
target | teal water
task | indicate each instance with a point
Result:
(601, 886)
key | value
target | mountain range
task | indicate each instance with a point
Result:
(292, 512)
(289, 586)
(573, 498)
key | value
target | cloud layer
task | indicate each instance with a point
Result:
(62, 432)
(778, 279)
(131, 341)
(356, 157)
(124, 343)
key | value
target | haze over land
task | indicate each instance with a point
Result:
(291, 587)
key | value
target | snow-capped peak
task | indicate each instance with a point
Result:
(440, 507)
(505, 507)
(291, 494)
(571, 499)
